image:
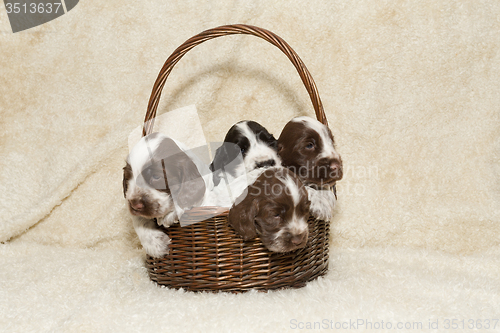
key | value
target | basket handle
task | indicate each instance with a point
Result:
(223, 31)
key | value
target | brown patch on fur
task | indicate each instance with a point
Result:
(268, 209)
(299, 147)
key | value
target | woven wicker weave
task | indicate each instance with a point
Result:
(209, 255)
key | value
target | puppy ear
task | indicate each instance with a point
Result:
(227, 157)
(268, 138)
(189, 187)
(219, 161)
(220, 157)
(192, 188)
(125, 187)
(273, 143)
(183, 179)
(242, 217)
(127, 175)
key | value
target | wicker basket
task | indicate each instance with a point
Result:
(209, 255)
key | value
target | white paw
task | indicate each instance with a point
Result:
(167, 220)
(322, 204)
(156, 243)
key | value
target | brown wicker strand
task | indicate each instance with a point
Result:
(237, 266)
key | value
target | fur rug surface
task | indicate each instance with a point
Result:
(411, 92)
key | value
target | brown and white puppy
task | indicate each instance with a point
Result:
(248, 149)
(276, 208)
(247, 146)
(160, 181)
(306, 147)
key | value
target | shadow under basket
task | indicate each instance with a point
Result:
(209, 255)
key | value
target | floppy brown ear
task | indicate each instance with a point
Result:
(127, 175)
(192, 186)
(242, 217)
(185, 182)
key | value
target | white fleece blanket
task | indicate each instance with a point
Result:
(411, 92)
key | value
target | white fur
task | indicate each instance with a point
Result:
(230, 187)
(322, 203)
(141, 154)
(292, 188)
(298, 225)
(154, 241)
(258, 151)
(322, 200)
(164, 200)
(170, 218)
(328, 146)
(227, 193)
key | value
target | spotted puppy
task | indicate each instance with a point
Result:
(306, 147)
(276, 209)
(161, 180)
(246, 147)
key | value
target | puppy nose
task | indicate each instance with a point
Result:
(136, 204)
(268, 163)
(298, 239)
(336, 170)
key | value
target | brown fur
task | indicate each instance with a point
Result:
(299, 147)
(268, 210)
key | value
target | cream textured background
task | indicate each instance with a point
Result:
(412, 95)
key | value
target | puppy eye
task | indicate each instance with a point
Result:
(278, 214)
(275, 221)
(156, 177)
(310, 145)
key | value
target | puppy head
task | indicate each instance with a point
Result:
(306, 147)
(258, 149)
(276, 208)
(160, 177)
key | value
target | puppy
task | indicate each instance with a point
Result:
(276, 208)
(306, 147)
(160, 181)
(247, 146)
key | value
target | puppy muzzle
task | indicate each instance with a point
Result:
(265, 164)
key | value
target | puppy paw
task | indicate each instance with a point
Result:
(322, 204)
(156, 244)
(167, 220)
